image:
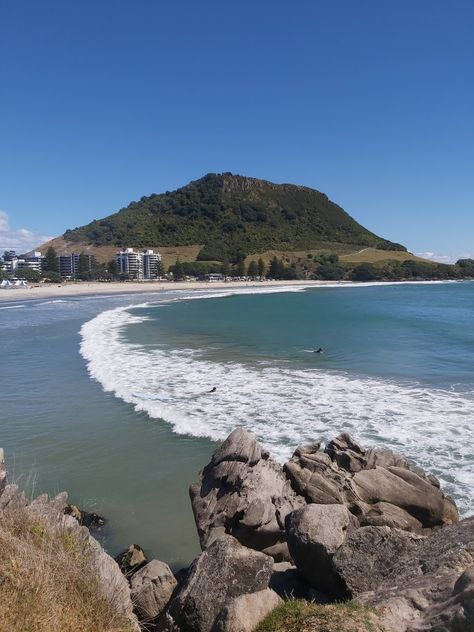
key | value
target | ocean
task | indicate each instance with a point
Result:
(109, 397)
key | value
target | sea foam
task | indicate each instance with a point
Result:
(283, 406)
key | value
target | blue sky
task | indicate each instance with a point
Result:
(369, 101)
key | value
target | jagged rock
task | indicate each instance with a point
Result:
(430, 588)
(367, 556)
(377, 485)
(314, 534)
(243, 492)
(91, 520)
(151, 589)
(224, 571)
(244, 613)
(12, 498)
(131, 560)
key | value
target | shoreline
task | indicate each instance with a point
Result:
(94, 288)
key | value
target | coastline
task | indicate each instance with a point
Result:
(94, 288)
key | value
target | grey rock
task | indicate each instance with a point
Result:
(244, 613)
(379, 486)
(392, 516)
(151, 589)
(243, 492)
(314, 534)
(224, 571)
(430, 588)
(287, 582)
(368, 555)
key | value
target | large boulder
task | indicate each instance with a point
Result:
(314, 534)
(243, 492)
(244, 613)
(379, 486)
(367, 557)
(225, 571)
(429, 587)
(151, 589)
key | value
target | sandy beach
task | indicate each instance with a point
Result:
(83, 288)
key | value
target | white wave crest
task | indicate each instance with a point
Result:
(283, 406)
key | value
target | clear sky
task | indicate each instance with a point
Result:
(370, 101)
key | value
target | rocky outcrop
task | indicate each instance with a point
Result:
(379, 486)
(225, 571)
(430, 587)
(243, 492)
(151, 590)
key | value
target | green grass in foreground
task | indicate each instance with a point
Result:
(301, 616)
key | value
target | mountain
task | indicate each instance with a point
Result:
(227, 215)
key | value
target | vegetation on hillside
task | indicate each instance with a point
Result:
(48, 579)
(232, 216)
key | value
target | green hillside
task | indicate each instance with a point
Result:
(228, 215)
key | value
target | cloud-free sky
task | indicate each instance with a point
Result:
(370, 101)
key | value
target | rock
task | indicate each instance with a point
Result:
(244, 613)
(314, 534)
(379, 486)
(243, 492)
(224, 571)
(368, 555)
(91, 520)
(401, 488)
(131, 560)
(288, 583)
(151, 589)
(431, 587)
(346, 453)
(392, 516)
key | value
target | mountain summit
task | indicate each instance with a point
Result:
(228, 214)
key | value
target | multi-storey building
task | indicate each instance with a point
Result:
(138, 265)
(70, 265)
(32, 261)
(151, 264)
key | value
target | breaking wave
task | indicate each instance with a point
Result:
(283, 406)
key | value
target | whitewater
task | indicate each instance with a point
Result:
(284, 406)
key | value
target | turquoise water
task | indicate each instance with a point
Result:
(111, 402)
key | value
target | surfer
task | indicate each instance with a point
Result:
(320, 350)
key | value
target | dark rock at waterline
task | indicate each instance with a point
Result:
(314, 534)
(225, 571)
(377, 485)
(430, 587)
(131, 560)
(91, 520)
(243, 492)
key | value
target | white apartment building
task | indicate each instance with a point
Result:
(139, 265)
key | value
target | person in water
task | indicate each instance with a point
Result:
(320, 350)
(213, 389)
